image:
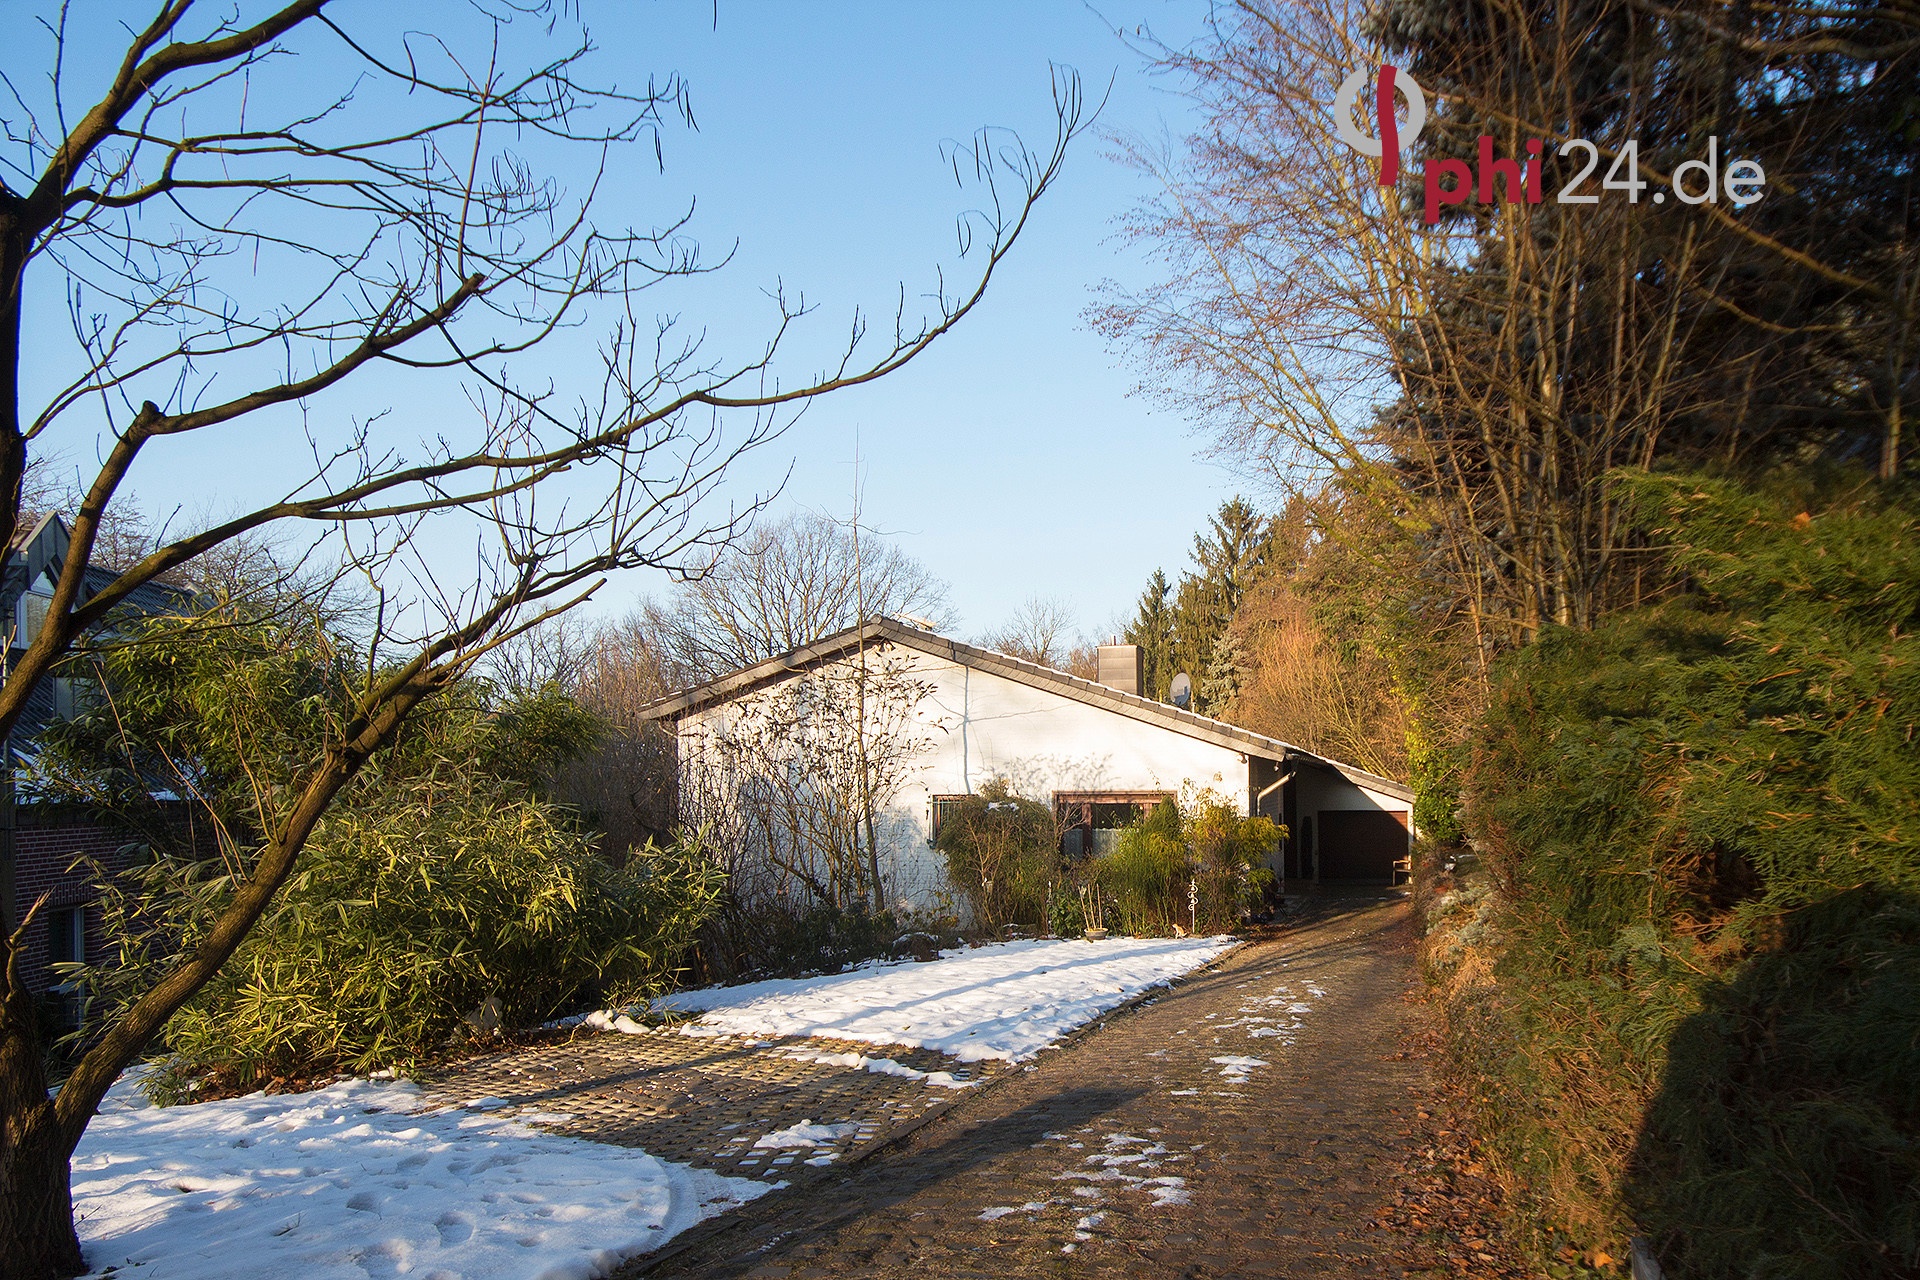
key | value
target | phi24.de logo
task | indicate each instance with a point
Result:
(1515, 180)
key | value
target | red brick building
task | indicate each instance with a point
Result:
(43, 846)
(49, 846)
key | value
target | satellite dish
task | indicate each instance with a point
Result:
(1181, 691)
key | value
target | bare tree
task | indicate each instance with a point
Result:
(560, 651)
(1478, 376)
(1040, 631)
(785, 585)
(1083, 660)
(798, 778)
(1300, 686)
(236, 235)
(627, 787)
(788, 584)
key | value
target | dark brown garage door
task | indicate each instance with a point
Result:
(1361, 844)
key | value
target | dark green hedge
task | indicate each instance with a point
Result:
(1705, 819)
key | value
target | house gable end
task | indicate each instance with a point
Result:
(885, 631)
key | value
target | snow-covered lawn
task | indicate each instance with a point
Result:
(1007, 1001)
(354, 1182)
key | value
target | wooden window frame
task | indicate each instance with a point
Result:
(1079, 806)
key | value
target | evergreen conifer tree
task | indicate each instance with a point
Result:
(1234, 552)
(1152, 630)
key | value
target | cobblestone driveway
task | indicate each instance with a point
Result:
(1249, 1122)
(707, 1101)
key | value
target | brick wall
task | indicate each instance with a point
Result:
(47, 841)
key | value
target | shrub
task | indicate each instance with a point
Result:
(401, 922)
(1066, 910)
(440, 877)
(1229, 857)
(1204, 866)
(784, 937)
(1782, 1140)
(1703, 823)
(1002, 852)
(1145, 874)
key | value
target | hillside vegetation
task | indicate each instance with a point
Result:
(1692, 1003)
(1595, 519)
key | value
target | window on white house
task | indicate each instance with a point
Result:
(940, 807)
(1091, 821)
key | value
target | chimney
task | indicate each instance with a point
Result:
(1121, 667)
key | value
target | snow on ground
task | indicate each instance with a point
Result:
(1007, 1001)
(1276, 1015)
(355, 1181)
(352, 1182)
(883, 1067)
(1235, 1067)
(807, 1134)
(1124, 1164)
(612, 1020)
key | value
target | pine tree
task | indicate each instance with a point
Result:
(1235, 551)
(1152, 630)
(1216, 692)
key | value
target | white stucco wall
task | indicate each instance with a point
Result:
(982, 726)
(1042, 742)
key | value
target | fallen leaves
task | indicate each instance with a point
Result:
(1445, 1208)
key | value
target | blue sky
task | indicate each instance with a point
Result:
(1011, 458)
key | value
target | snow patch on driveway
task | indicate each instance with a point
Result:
(882, 1066)
(807, 1134)
(1235, 1067)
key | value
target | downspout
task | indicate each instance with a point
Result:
(1258, 799)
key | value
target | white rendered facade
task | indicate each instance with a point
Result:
(983, 716)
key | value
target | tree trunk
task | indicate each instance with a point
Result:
(37, 1239)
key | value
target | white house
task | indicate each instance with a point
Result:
(1099, 751)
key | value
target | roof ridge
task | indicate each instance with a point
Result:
(882, 627)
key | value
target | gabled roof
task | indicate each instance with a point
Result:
(888, 631)
(40, 550)
(36, 550)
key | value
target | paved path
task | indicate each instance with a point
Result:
(709, 1100)
(1252, 1121)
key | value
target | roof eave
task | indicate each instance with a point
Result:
(1134, 706)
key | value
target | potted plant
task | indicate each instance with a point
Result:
(1090, 909)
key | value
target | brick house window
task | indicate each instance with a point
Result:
(67, 936)
(66, 944)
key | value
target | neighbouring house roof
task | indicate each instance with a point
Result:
(37, 554)
(39, 551)
(36, 550)
(888, 631)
